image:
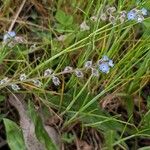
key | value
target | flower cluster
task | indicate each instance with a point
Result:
(103, 65)
(8, 36)
(4, 81)
(103, 16)
(84, 26)
(110, 14)
(137, 14)
(11, 39)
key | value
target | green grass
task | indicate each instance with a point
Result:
(80, 99)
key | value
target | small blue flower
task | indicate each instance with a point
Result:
(9, 35)
(68, 69)
(47, 72)
(37, 82)
(104, 67)
(110, 63)
(4, 81)
(88, 64)
(144, 11)
(95, 72)
(105, 58)
(131, 15)
(15, 87)
(23, 77)
(79, 73)
(55, 80)
(139, 18)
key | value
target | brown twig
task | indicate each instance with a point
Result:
(16, 16)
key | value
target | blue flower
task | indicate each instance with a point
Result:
(9, 35)
(140, 18)
(104, 67)
(137, 15)
(23, 77)
(105, 58)
(131, 15)
(95, 72)
(55, 80)
(79, 73)
(88, 64)
(15, 87)
(110, 63)
(144, 11)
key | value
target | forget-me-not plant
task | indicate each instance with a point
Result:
(67, 69)
(47, 72)
(37, 82)
(144, 11)
(9, 35)
(79, 73)
(131, 15)
(23, 77)
(15, 87)
(105, 64)
(88, 64)
(104, 67)
(4, 81)
(137, 15)
(55, 80)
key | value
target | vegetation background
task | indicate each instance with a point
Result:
(111, 111)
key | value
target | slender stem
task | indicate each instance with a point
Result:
(16, 16)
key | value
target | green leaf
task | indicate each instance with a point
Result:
(67, 137)
(60, 28)
(146, 4)
(129, 102)
(146, 23)
(3, 54)
(140, 72)
(63, 18)
(40, 132)
(145, 148)
(14, 135)
(110, 138)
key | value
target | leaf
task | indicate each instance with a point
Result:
(146, 4)
(110, 138)
(63, 18)
(145, 148)
(60, 28)
(146, 23)
(140, 72)
(129, 102)
(68, 137)
(40, 132)
(3, 54)
(93, 114)
(14, 135)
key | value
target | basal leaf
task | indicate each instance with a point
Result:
(14, 135)
(41, 134)
(63, 18)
